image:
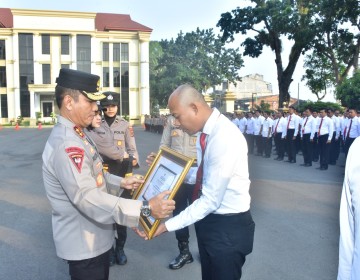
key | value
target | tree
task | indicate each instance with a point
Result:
(319, 105)
(335, 51)
(199, 58)
(349, 91)
(269, 23)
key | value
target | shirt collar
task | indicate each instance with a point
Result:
(211, 122)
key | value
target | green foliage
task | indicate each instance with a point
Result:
(349, 91)
(19, 119)
(198, 58)
(263, 106)
(53, 117)
(319, 105)
(38, 115)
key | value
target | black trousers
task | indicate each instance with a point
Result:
(315, 147)
(280, 145)
(96, 268)
(334, 149)
(307, 149)
(224, 241)
(182, 199)
(347, 145)
(250, 142)
(291, 145)
(324, 150)
(267, 145)
(259, 144)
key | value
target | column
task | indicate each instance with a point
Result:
(144, 77)
(73, 53)
(16, 74)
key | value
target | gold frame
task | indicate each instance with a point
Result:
(182, 162)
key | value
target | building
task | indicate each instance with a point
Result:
(35, 44)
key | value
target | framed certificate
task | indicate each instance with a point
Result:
(167, 172)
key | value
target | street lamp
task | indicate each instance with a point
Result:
(252, 99)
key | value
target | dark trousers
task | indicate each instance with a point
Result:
(324, 150)
(224, 241)
(347, 145)
(96, 268)
(291, 144)
(280, 145)
(307, 149)
(315, 147)
(259, 144)
(120, 168)
(250, 142)
(267, 145)
(182, 199)
(334, 149)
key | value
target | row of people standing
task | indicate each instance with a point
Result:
(318, 134)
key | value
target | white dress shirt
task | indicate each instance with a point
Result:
(292, 122)
(349, 245)
(226, 183)
(327, 127)
(250, 126)
(241, 124)
(266, 126)
(308, 126)
(257, 124)
(354, 129)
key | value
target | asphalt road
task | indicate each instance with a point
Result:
(295, 210)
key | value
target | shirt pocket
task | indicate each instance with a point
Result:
(176, 133)
(119, 139)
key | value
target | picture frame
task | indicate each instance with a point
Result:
(167, 172)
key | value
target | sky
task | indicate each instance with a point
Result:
(168, 18)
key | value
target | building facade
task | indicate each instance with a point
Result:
(35, 44)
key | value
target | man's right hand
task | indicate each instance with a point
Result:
(150, 158)
(160, 207)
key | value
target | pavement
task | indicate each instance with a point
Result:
(295, 210)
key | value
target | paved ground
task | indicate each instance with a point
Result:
(295, 210)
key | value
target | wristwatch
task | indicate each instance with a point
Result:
(145, 209)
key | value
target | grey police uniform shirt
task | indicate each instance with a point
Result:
(83, 213)
(123, 136)
(182, 142)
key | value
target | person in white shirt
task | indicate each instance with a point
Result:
(266, 132)
(335, 142)
(292, 129)
(349, 243)
(235, 119)
(352, 129)
(307, 134)
(221, 209)
(241, 122)
(249, 132)
(325, 132)
(279, 127)
(257, 132)
(314, 141)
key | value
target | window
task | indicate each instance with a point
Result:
(65, 44)
(106, 79)
(45, 43)
(46, 74)
(2, 76)
(26, 71)
(65, 66)
(124, 88)
(4, 106)
(116, 52)
(84, 53)
(47, 108)
(124, 52)
(2, 49)
(116, 74)
(105, 51)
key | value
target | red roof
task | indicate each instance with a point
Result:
(6, 18)
(107, 22)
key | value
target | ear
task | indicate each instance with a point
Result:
(68, 102)
(194, 107)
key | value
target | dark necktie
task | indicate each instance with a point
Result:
(348, 134)
(320, 126)
(303, 130)
(199, 174)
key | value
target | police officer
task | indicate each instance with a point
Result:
(83, 212)
(177, 139)
(123, 137)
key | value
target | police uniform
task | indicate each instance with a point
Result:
(178, 140)
(83, 212)
(123, 138)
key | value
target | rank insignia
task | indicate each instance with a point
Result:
(79, 131)
(119, 143)
(131, 130)
(174, 133)
(92, 150)
(99, 180)
(76, 156)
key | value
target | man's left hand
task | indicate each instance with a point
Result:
(132, 182)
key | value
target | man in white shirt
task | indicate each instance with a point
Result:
(221, 212)
(335, 138)
(279, 127)
(325, 132)
(266, 132)
(315, 145)
(257, 132)
(241, 122)
(352, 129)
(349, 250)
(307, 134)
(292, 129)
(249, 133)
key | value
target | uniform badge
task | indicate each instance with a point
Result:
(174, 133)
(99, 180)
(76, 155)
(119, 143)
(131, 130)
(92, 150)
(79, 131)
